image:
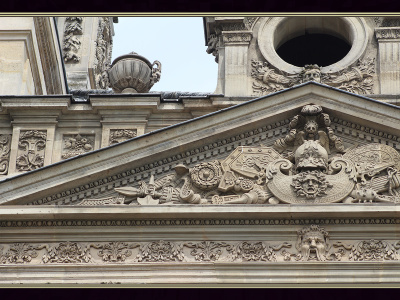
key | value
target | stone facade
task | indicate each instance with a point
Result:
(298, 186)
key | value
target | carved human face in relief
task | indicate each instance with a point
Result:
(313, 246)
(312, 74)
(311, 127)
(310, 186)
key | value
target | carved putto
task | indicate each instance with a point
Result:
(310, 165)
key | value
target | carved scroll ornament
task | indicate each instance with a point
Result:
(357, 78)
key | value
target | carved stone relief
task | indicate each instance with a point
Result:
(212, 46)
(357, 78)
(5, 144)
(104, 45)
(313, 244)
(120, 135)
(31, 147)
(249, 22)
(72, 43)
(76, 144)
(310, 165)
(352, 133)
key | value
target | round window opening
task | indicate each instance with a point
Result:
(321, 49)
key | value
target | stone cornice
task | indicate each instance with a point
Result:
(205, 215)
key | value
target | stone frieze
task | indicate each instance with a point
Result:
(312, 244)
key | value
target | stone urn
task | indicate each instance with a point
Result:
(133, 73)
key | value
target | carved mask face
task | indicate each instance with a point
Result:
(312, 75)
(313, 246)
(311, 127)
(310, 186)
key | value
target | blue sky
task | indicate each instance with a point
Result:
(177, 42)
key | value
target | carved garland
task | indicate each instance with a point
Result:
(104, 45)
(72, 43)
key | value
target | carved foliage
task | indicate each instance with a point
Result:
(160, 251)
(104, 45)
(120, 135)
(31, 147)
(20, 253)
(72, 43)
(67, 252)
(115, 251)
(207, 250)
(5, 144)
(313, 245)
(212, 46)
(77, 144)
(357, 78)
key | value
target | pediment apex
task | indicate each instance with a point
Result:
(150, 149)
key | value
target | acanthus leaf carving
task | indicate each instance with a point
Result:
(160, 251)
(206, 250)
(67, 252)
(115, 251)
(20, 253)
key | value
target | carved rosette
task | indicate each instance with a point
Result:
(206, 176)
(357, 78)
(31, 146)
(72, 43)
(120, 135)
(77, 144)
(387, 33)
(5, 147)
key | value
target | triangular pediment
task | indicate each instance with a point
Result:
(255, 123)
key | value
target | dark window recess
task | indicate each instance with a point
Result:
(320, 49)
